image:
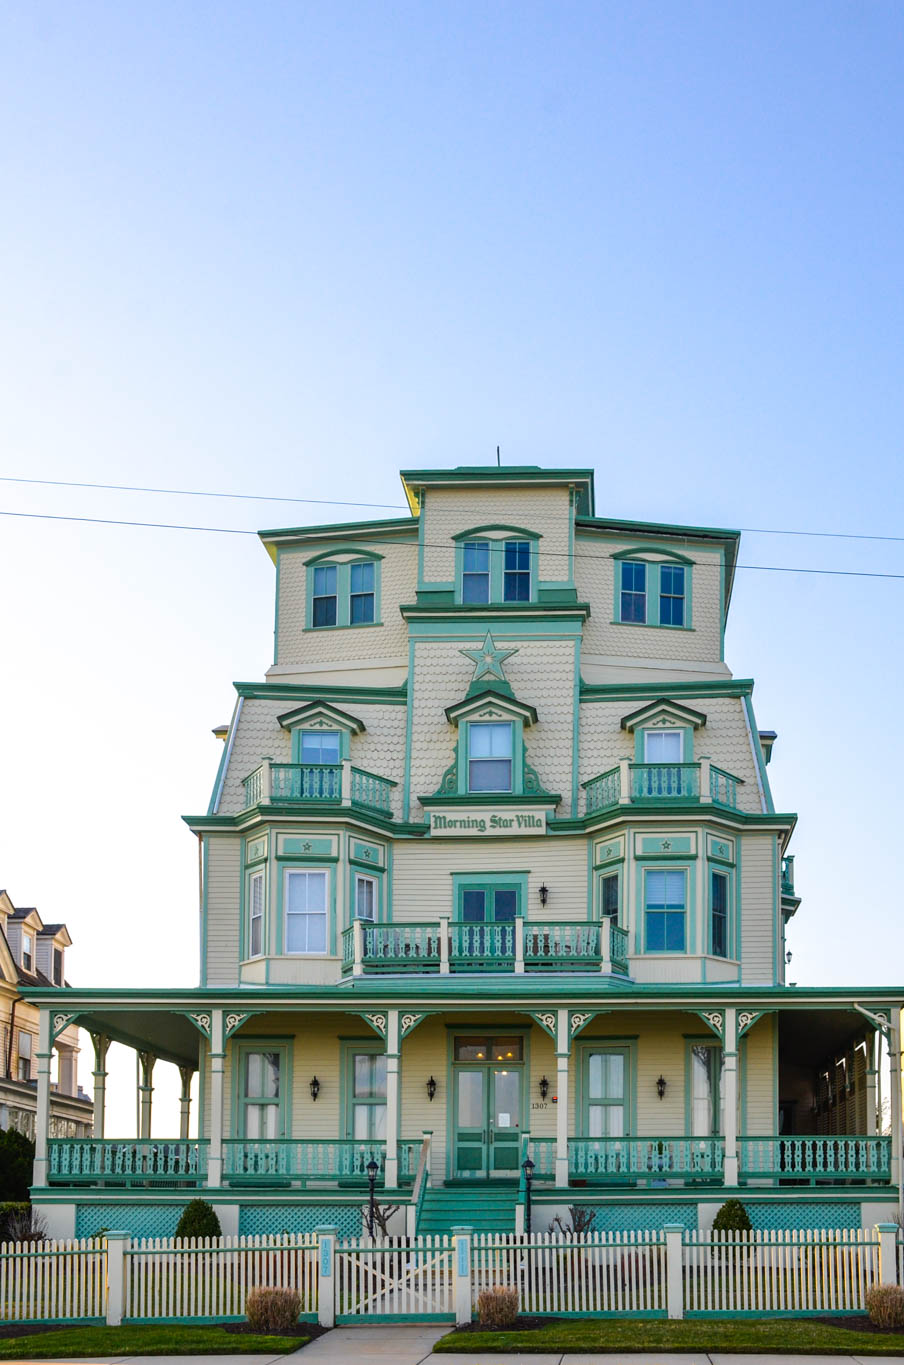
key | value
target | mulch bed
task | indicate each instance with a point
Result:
(858, 1324)
(519, 1325)
(304, 1329)
(31, 1329)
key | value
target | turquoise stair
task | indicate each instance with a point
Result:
(485, 1208)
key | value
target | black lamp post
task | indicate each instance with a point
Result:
(372, 1169)
(527, 1167)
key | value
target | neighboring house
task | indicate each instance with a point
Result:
(492, 853)
(34, 954)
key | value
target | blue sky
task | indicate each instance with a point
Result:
(291, 248)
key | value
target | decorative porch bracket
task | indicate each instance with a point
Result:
(547, 1021)
(232, 1020)
(878, 1018)
(747, 1019)
(579, 1019)
(714, 1019)
(408, 1022)
(61, 1022)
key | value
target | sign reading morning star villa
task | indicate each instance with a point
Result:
(486, 820)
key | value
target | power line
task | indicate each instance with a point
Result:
(387, 506)
(377, 540)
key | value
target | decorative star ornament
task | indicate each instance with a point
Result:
(489, 659)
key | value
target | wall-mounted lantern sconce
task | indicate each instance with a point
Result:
(544, 894)
(315, 1087)
(788, 956)
(431, 1088)
(544, 1087)
(660, 1087)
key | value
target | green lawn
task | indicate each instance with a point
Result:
(783, 1335)
(165, 1340)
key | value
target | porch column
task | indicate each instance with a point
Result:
(730, 1093)
(101, 1044)
(42, 1115)
(562, 1052)
(217, 1063)
(392, 1100)
(186, 1073)
(894, 1086)
(146, 1092)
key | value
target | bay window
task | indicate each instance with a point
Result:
(665, 910)
(305, 911)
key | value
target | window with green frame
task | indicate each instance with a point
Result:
(605, 1084)
(705, 1099)
(260, 1094)
(652, 592)
(493, 898)
(490, 756)
(256, 892)
(719, 887)
(366, 1093)
(665, 910)
(496, 570)
(343, 592)
(610, 895)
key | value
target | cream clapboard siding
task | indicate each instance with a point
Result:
(423, 877)
(541, 674)
(380, 749)
(449, 511)
(759, 1057)
(398, 585)
(758, 915)
(594, 576)
(223, 911)
(724, 739)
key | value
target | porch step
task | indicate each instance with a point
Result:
(486, 1208)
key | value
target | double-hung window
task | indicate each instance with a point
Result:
(718, 908)
(671, 595)
(475, 574)
(24, 1070)
(516, 571)
(665, 910)
(305, 911)
(609, 895)
(58, 966)
(255, 914)
(368, 1097)
(706, 1089)
(321, 778)
(633, 591)
(325, 601)
(28, 952)
(490, 746)
(361, 593)
(365, 897)
(260, 1095)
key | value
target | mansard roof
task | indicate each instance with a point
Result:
(506, 476)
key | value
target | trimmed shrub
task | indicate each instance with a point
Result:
(272, 1310)
(732, 1217)
(885, 1305)
(497, 1307)
(199, 1219)
(17, 1154)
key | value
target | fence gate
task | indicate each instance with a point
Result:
(396, 1278)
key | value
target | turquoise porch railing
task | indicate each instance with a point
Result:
(723, 788)
(816, 1159)
(665, 781)
(256, 1162)
(564, 945)
(306, 781)
(602, 791)
(788, 875)
(254, 788)
(131, 1161)
(542, 1152)
(472, 946)
(627, 1160)
(618, 948)
(394, 947)
(372, 792)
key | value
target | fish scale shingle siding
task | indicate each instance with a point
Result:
(451, 511)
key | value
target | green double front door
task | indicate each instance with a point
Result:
(488, 1098)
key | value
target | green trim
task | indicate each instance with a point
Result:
(489, 1031)
(262, 1043)
(640, 742)
(373, 873)
(652, 588)
(289, 720)
(758, 753)
(576, 730)
(421, 521)
(518, 532)
(329, 530)
(690, 1042)
(638, 550)
(287, 863)
(730, 687)
(386, 696)
(495, 612)
(348, 1048)
(343, 593)
(645, 714)
(628, 1049)
(276, 614)
(489, 881)
(681, 863)
(356, 550)
(205, 878)
(506, 476)
(409, 682)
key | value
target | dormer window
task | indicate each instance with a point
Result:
(516, 575)
(361, 594)
(319, 746)
(663, 746)
(58, 966)
(28, 952)
(652, 588)
(475, 576)
(634, 592)
(343, 589)
(490, 746)
(325, 603)
(498, 568)
(671, 594)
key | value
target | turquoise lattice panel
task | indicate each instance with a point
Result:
(257, 1219)
(785, 1217)
(643, 1217)
(141, 1220)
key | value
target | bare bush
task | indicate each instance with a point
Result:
(497, 1307)
(582, 1217)
(272, 1310)
(26, 1224)
(885, 1305)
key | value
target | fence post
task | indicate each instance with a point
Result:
(674, 1233)
(326, 1271)
(461, 1274)
(888, 1252)
(117, 1246)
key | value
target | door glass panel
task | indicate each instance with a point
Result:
(505, 905)
(507, 1049)
(471, 1101)
(506, 1099)
(473, 907)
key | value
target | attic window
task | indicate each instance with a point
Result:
(58, 966)
(28, 952)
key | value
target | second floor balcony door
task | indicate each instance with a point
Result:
(487, 928)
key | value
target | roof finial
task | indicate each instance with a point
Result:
(498, 458)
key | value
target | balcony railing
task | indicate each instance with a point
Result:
(788, 875)
(661, 783)
(141, 1161)
(247, 1161)
(816, 1159)
(330, 783)
(627, 1160)
(456, 946)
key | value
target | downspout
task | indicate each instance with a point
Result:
(9, 1046)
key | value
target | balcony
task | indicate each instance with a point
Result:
(788, 875)
(638, 784)
(334, 784)
(452, 946)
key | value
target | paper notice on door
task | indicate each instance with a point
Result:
(504, 1121)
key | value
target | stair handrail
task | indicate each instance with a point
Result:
(421, 1179)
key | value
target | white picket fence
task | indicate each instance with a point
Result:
(52, 1281)
(209, 1277)
(672, 1272)
(807, 1271)
(619, 1273)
